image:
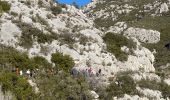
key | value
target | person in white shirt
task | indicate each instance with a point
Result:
(20, 72)
(28, 73)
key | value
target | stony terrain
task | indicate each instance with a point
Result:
(31, 26)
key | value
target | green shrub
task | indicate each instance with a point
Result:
(123, 84)
(165, 89)
(10, 56)
(41, 62)
(26, 40)
(4, 6)
(62, 62)
(17, 85)
(114, 43)
(40, 3)
(56, 9)
(63, 87)
(21, 60)
(148, 84)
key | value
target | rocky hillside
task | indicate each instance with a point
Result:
(117, 47)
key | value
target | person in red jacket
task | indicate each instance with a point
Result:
(17, 71)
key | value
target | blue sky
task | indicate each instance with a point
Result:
(79, 2)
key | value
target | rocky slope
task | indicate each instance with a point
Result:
(79, 33)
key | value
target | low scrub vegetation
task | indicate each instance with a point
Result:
(153, 85)
(62, 86)
(122, 84)
(62, 62)
(56, 9)
(52, 84)
(114, 43)
(9, 56)
(4, 6)
(30, 34)
(19, 86)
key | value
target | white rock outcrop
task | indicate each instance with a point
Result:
(129, 97)
(143, 35)
(167, 81)
(146, 76)
(153, 94)
(9, 33)
(163, 8)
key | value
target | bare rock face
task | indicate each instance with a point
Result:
(129, 97)
(157, 95)
(9, 32)
(163, 8)
(143, 35)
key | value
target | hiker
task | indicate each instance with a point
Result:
(100, 71)
(20, 72)
(74, 72)
(28, 73)
(17, 71)
(49, 72)
(86, 73)
(31, 72)
(90, 71)
(97, 74)
(168, 46)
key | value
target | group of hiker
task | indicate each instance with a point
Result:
(29, 72)
(87, 72)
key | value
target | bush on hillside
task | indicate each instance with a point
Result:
(56, 9)
(4, 6)
(10, 56)
(41, 62)
(17, 85)
(63, 87)
(21, 60)
(114, 43)
(62, 62)
(124, 84)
